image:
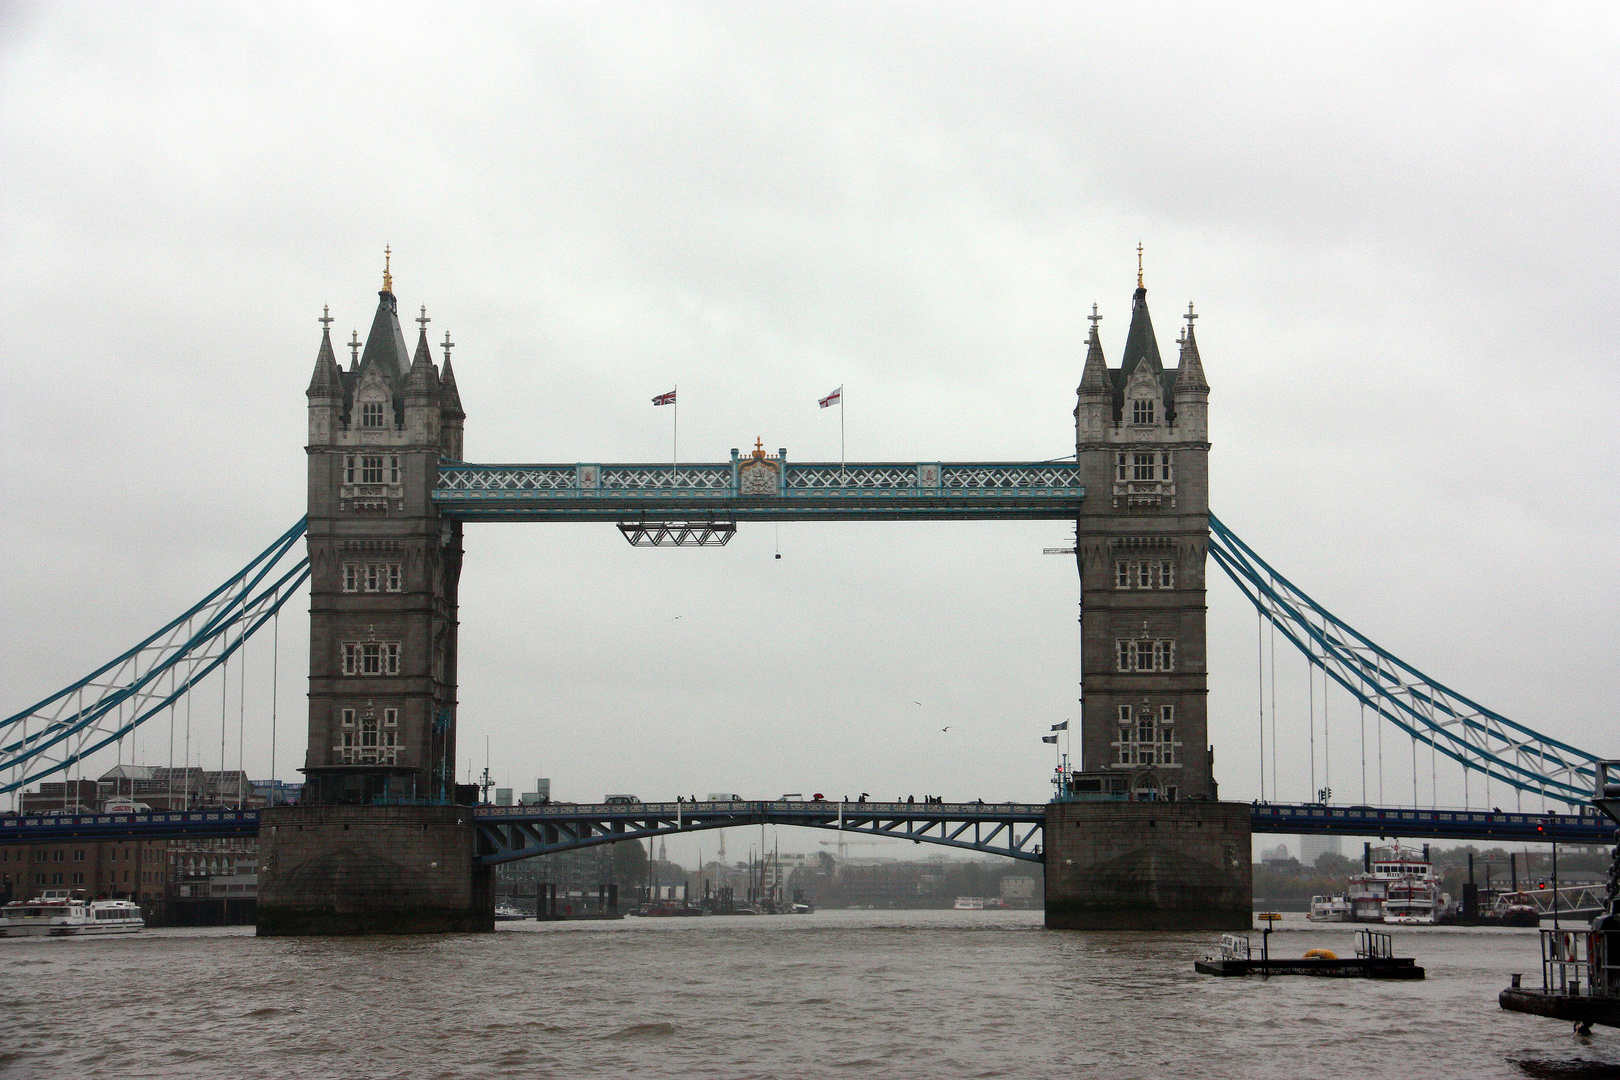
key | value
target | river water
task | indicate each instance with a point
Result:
(928, 994)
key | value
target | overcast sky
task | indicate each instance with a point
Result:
(1399, 226)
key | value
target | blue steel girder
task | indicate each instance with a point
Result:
(153, 825)
(1407, 823)
(510, 833)
(761, 489)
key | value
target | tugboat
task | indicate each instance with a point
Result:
(1580, 969)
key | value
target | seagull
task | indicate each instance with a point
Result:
(916, 703)
(676, 617)
(947, 727)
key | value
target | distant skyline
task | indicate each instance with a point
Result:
(1399, 227)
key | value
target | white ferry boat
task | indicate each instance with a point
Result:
(64, 912)
(1398, 886)
(1333, 908)
(970, 903)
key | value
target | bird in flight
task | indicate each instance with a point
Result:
(947, 727)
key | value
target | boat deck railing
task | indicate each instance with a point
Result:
(1374, 945)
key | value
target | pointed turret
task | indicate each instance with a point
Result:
(1191, 389)
(422, 392)
(325, 391)
(1191, 374)
(1094, 404)
(385, 344)
(451, 416)
(1141, 346)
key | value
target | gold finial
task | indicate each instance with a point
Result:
(759, 446)
(1139, 264)
(388, 278)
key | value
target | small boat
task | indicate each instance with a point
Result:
(508, 912)
(64, 913)
(970, 903)
(1333, 908)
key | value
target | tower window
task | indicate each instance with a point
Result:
(1145, 574)
(371, 414)
(1142, 411)
(1133, 654)
(371, 658)
(373, 577)
(1144, 740)
(1144, 466)
(371, 470)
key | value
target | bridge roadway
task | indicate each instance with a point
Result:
(1011, 829)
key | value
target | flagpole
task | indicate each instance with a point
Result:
(675, 439)
(840, 428)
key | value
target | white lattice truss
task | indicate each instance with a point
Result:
(113, 700)
(1460, 729)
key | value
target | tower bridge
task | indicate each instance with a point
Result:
(1136, 839)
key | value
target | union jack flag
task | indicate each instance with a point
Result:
(665, 399)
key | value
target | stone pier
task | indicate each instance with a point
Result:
(334, 870)
(1148, 866)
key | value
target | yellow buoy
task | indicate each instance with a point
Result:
(1321, 954)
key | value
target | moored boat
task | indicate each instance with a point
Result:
(1333, 908)
(970, 903)
(65, 912)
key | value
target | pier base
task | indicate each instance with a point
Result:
(335, 870)
(1148, 866)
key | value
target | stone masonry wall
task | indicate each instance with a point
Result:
(1148, 866)
(371, 870)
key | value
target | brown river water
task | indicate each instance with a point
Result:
(935, 994)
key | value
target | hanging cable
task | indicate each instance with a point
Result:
(1260, 691)
(275, 683)
(241, 722)
(1275, 793)
(1362, 724)
(1310, 716)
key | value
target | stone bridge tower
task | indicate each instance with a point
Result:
(1142, 439)
(378, 843)
(1139, 843)
(383, 569)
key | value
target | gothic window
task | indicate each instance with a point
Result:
(373, 577)
(370, 658)
(1144, 467)
(348, 717)
(371, 470)
(1146, 739)
(1145, 574)
(371, 414)
(1142, 411)
(1149, 654)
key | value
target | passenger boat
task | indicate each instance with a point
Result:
(970, 903)
(1333, 908)
(64, 912)
(1398, 885)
